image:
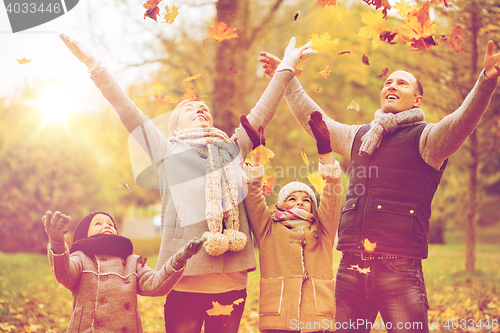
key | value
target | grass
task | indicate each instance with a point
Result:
(32, 301)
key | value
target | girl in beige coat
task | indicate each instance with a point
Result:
(295, 244)
(103, 274)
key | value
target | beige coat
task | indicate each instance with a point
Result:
(297, 284)
(105, 289)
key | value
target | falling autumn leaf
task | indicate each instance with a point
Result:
(304, 157)
(403, 8)
(221, 32)
(296, 15)
(238, 301)
(353, 106)
(150, 4)
(455, 42)
(360, 270)
(267, 184)
(126, 186)
(194, 77)
(262, 154)
(375, 27)
(316, 181)
(325, 72)
(220, 310)
(23, 61)
(384, 72)
(231, 14)
(170, 16)
(189, 93)
(344, 52)
(323, 43)
(369, 246)
(152, 9)
(166, 100)
(324, 3)
(365, 60)
(232, 70)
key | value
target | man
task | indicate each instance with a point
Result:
(397, 162)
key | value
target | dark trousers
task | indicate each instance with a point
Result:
(393, 287)
(186, 312)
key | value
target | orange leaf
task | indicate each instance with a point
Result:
(194, 77)
(221, 32)
(23, 61)
(189, 93)
(365, 60)
(171, 15)
(455, 42)
(324, 3)
(152, 13)
(325, 72)
(369, 246)
(220, 310)
(166, 100)
(261, 154)
(267, 184)
(150, 4)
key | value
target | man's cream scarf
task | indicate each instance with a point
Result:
(221, 189)
(387, 123)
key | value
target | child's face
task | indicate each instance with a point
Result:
(299, 199)
(101, 224)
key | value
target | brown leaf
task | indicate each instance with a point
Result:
(344, 52)
(455, 42)
(365, 60)
(152, 13)
(296, 15)
(384, 72)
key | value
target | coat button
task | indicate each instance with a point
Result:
(127, 306)
(102, 301)
(379, 207)
(124, 330)
(412, 211)
(104, 259)
(126, 281)
(353, 205)
(97, 325)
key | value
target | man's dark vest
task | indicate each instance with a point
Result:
(389, 197)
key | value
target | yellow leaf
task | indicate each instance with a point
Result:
(323, 43)
(220, 310)
(194, 77)
(369, 246)
(317, 181)
(238, 301)
(403, 8)
(304, 156)
(171, 15)
(261, 154)
(325, 72)
(375, 25)
(23, 61)
(158, 89)
(353, 106)
(359, 269)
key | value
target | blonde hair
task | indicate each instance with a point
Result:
(174, 117)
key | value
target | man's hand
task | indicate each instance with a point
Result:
(491, 63)
(81, 52)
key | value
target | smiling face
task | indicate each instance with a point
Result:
(298, 199)
(101, 224)
(400, 93)
(193, 114)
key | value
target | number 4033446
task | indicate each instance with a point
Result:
(32, 8)
(471, 323)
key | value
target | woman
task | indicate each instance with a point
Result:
(201, 190)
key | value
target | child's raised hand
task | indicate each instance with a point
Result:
(320, 132)
(81, 52)
(56, 225)
(186, 252)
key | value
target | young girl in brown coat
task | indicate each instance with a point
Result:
(295, 244)
(103, 274)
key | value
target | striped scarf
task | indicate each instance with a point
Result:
(294, 218)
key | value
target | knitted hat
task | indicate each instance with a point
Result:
(292, 187)
(82, 228)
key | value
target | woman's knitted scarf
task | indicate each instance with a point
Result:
(387, 123)
(294, 218)
(221, 188)
(112, 245)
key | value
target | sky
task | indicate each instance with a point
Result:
(98, 25)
